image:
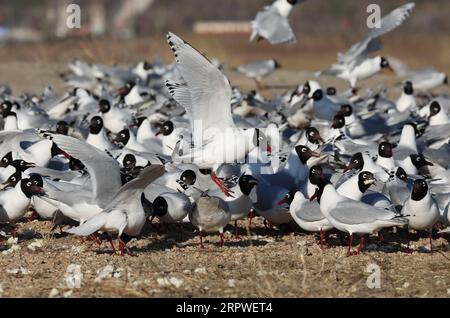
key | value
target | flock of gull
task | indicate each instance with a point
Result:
(178, 143)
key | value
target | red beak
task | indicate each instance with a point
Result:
(281, 202)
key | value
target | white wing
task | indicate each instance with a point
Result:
(132, 190)
(104, 170)
(209, 88)
(370, 43)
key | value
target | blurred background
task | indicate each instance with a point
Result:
(127, 31)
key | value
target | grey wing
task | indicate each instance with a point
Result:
(272, 26)
(104, 170)
(135, 187)
(356, 212)
(387, 24)
(55, 174)
(310, 212)
(436, 133)
(441, 156)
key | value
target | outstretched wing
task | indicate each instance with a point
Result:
(104, 170)
(131, 191)
(208, 87)
(370, 43)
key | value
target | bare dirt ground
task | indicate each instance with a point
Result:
(172, 264)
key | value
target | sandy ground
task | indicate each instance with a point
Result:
(172, 264)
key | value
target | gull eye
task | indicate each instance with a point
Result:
(28, 184)
(22, 163)
(304, 150)
(13, 179)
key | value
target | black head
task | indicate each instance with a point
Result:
(313, 135)
(247, 183)
(62, 128)
(7, 113)
(147, 66)
(346, 110)
(384, 63)
(276, 64)
(356, 162)
(288, 198)
(21, 165)
(6, 160)
(401, 174)
(419, 161)
(129, 161)
(435, 108)
(306, 88)
(319, 190)
(29, 188)
(56, 151)
(122, 137)
(140, 120)
(331, 91)
(338, 122)
(6, 107)
(188, 177)
(315, 174)
(304, 153)
(37, 179)
(165, 129)
(104, 106)
(13, 179)
(317, 95)
(75, 164)
(96, 125)
(292, 2)
(365, 180)
(160, 207)
(408, 88)
(385, 149)
(420, 190)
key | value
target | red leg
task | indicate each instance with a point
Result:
(250, 216)
(430, 236)
(112, 246)
(380, 237)
(236, 234)
(123, 248)
(221, 239)
(322, 239)
(350, 241)
(361, 244)
(201, 239)
(221, 185)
